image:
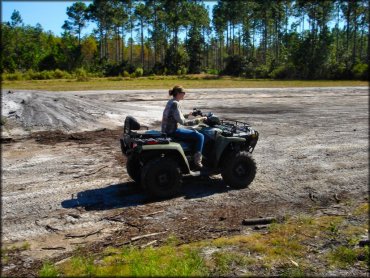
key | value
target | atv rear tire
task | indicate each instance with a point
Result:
(239, 169)
(161, 177)
(134, 168)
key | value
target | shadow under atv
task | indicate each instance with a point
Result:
(129, 194)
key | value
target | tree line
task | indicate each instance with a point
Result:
(281, 39)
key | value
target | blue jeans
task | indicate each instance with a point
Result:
(189, 134)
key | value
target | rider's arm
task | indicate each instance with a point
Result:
(179, 117)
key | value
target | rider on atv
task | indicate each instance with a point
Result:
(172, 116)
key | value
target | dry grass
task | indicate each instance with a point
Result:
(166, 82)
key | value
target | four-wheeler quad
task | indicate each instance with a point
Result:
(159, 162)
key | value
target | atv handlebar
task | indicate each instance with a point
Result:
(196, 112)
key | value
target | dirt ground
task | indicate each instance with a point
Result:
(64, 181)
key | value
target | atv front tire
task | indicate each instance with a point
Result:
(161, 177)
(239, 169)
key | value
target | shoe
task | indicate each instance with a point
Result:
(198, 161)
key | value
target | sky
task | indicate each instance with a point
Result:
(50, 14)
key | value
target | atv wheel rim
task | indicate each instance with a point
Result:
(163, 179)
(241, 170)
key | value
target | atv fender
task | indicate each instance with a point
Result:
(173, 150)
(222, 144)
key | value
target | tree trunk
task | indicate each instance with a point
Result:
(227, 37)
(79, 35)
(131, 27)
(101, 43)
(265, 37)
(337, 36)
(117, 39)
(106, 45)
(348, 14)
(155, 34)
(232, 41)
(123, 44)
(361, 43)
(142, 42)
(354, 37)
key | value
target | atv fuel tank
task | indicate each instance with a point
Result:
(211, 132)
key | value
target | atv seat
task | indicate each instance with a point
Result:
(151, 134)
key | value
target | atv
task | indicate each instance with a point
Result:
(158, 162)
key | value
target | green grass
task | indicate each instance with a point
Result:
(290, 249)
(166, 82)
(132, 261)
(48, 270)
(344, 256)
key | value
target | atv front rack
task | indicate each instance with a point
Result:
(231, 127)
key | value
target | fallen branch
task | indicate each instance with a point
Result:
(51, 229)
(77, 243)
(201, 228)
(74, 215)
(53, 248)
(333, 213)
(147, 235)
(258, 221)
(137, 238)
(84, 236)
(114, 219)
(153, 213)
(148, 244)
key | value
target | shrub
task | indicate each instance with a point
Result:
(13, 76)
(175, 60)
(126, 74)
(158, 68)
(29, 74)
(283, 72)
(59, 74)
(235, 65)
(338, 71)
(47, 74)
(360, 71)
(49, 62)
(139, 72)
(81, 74)
(262, 72)
(117, 69)
(213, 71)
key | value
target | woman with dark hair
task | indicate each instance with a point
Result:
(172, 116)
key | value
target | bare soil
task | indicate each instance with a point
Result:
(64, 181)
